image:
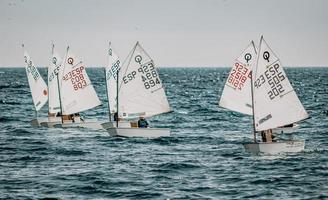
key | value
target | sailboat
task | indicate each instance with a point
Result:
(38, 87)
(53, 84)
(275, 103)
(53, 92)
(114, 65)
(237, 95)
(75, 94)
(140, 93)
(54, 70)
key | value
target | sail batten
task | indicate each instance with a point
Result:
(275, 101)
(38, 87)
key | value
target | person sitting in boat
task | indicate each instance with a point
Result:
(116, 117)
(142, 122)
(79, 116)
(267, 136)
(71, 117)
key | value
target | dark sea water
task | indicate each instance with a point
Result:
(203, 159)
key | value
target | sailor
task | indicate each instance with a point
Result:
(267, 136)
(116, 116)
(71, 116)
(79, 116)
(82, 118)
(142, 122)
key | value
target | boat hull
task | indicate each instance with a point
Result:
(123, 124)
(138, 132)
(288, 146)
(86, 124)
(55, 122)
(42, 120)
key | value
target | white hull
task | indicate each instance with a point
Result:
(288, 146)
(86, 124)
(286, 129)
(139, 132)
(41, 120)
(55, 122)
(123, 124)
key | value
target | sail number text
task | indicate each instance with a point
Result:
(112, 72)
(239, 75)
(77, 78)
(31, 69)
(273, 76)
(54, 73)
(148, 75)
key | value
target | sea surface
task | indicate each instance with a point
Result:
(203, 159)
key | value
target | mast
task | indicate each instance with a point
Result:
(59, 92)
(117, 97)
(60, 104)
(58, 86)
(117, 81)
(109, 114)
(52, 52)
(252, 94)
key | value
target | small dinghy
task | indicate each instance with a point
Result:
(71, 92)
(237, 95)
(269, 98)
(139, 94)
(275, 104)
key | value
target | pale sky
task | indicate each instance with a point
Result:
(175, 33)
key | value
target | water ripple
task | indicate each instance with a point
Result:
(203, 159)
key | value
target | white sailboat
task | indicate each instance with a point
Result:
(53, 83)
(53, 92)
(114, 65)
(38, 87)
(76, 94)
(275, 103)
(237, 95)
(54, 106)
(140, 93)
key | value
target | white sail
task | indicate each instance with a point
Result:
(141, 92)
(114, 64)
(77, 92)
(236, 94)
(53, 70)
(275, 101)
(38, 87)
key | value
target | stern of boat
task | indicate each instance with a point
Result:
(288, 146)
